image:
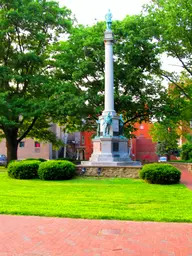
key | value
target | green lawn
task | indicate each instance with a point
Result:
(94, 198)
(2, 169)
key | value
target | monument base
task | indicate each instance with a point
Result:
(110, 164)
(110, 151)
(109, 171)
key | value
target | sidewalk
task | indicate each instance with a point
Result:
(186, 178)
(42, 236)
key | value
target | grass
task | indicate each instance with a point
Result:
(2, 169)
(96, 198)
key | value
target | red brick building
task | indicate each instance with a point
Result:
(143, 149)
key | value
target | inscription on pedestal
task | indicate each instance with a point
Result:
(115, 125)
(115, 147)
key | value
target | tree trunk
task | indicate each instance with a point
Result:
(65, 145)
(12, 144)
(168, 157)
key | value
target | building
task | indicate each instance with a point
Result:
(31, 148)
(79, 145)
(142, 148)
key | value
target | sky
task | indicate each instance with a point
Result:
(88, 12)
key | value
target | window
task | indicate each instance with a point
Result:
(141, 127)
(22, 144)
(82, 140)
(37, 144)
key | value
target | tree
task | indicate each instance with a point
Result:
(171, 23)
(138, 95)
(166, 135)
(30, 96)
(186, 151)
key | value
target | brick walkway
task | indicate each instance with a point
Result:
(40, 236)
(186, 178)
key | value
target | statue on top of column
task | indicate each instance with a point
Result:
(108, 18)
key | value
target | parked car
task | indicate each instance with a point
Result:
(3, 160)
(162, 159)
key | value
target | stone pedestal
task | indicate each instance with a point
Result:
(111, 149)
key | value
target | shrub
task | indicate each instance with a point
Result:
(35, 159)
(23, 169)
(56, 170)
(190, 155)
(186, 151)
(66, 159)
(70, 160)
(160, 174)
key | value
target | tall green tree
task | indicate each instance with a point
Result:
(30, 96)
(166, 135)
(138, 95)
(171, 23)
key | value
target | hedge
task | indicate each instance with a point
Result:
(35, 159)
(160, 174)
(23, 169)
(56, 170)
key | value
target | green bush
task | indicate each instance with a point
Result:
(23, 169)
(190, 155)
(70, 160)
(160, 174)
(56, 170)
(35, 159)
(186, 151)
(66, 159)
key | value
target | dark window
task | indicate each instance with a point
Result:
(37, 144)
(22, 144)
(82, 140)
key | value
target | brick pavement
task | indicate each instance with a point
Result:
(42, 236)
(186, 178)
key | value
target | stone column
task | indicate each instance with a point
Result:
(109, 90)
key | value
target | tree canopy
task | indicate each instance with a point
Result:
(53, 71)
(30, 96)
(166, 135)
(139, 95)
(171, 23)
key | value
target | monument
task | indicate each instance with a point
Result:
(110, 147)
